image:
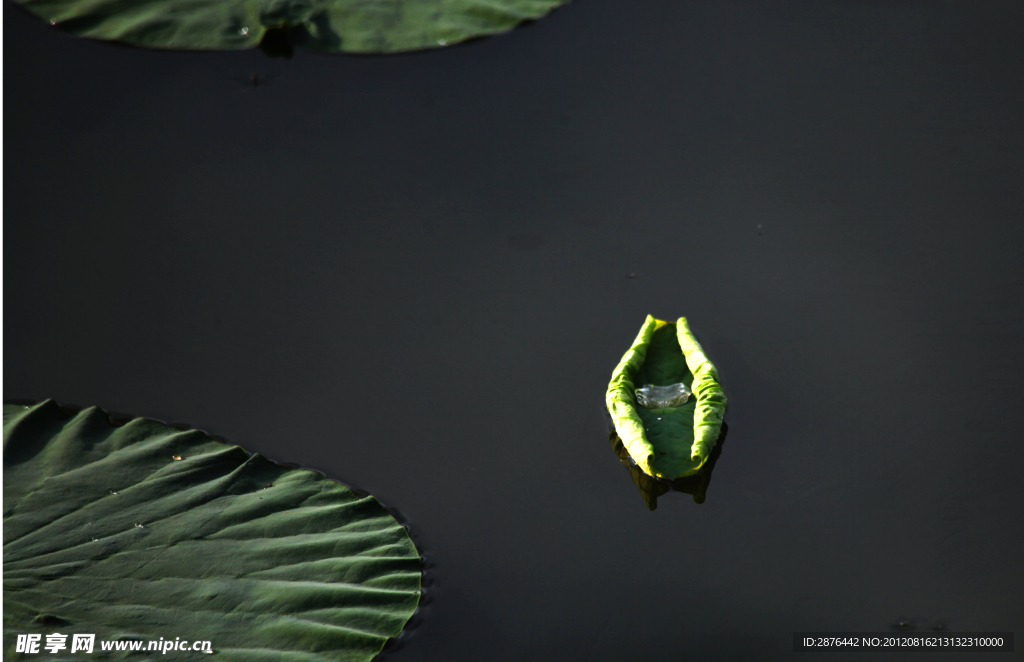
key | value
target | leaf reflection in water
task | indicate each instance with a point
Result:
(651, 488)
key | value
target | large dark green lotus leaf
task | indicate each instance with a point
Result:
(352, 26)
(107, 533)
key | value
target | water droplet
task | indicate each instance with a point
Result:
(442, 42)
(95, 539)
(113, 492)
(139, 526)
(53, 21)
(243, 31)
(175, 457)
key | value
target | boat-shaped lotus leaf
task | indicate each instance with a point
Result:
(673, 441)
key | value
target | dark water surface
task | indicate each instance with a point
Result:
(414, 274)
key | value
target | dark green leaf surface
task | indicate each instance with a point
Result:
(352, 26)
(107, 533)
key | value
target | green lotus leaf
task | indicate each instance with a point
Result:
(143, 531)
(670, 441)
(351, 26)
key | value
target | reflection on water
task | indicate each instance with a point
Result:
(651, 488)
(275, 43)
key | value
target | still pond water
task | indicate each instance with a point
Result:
(415, 273)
